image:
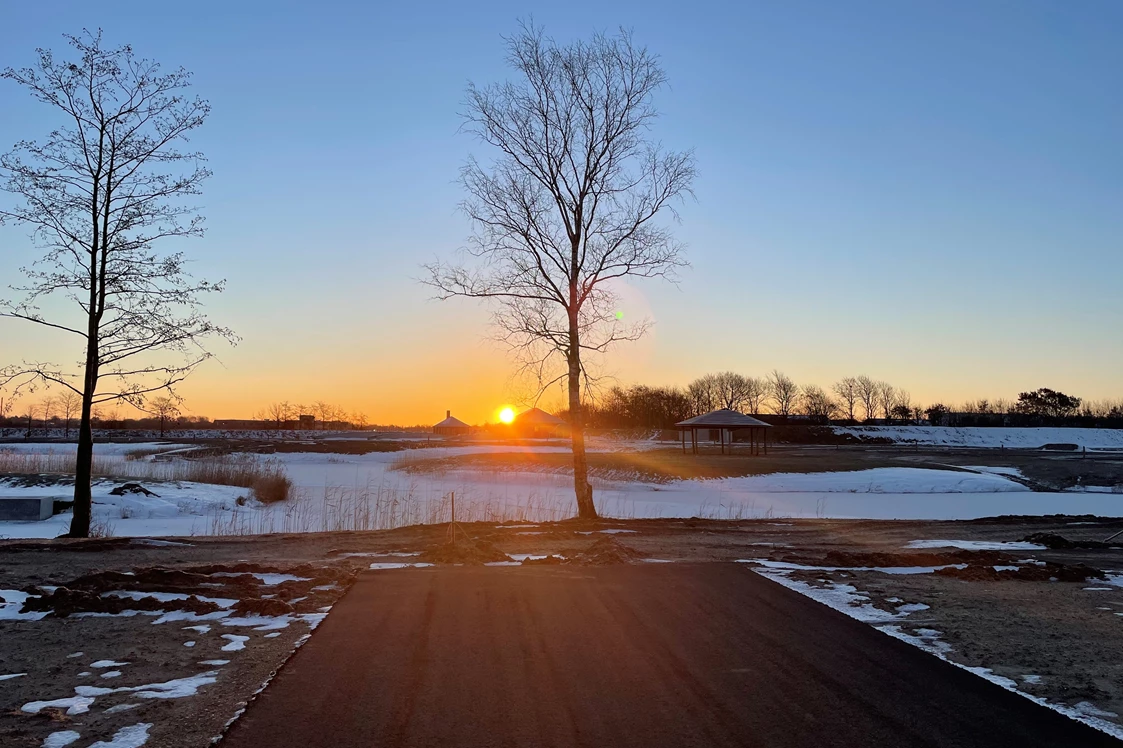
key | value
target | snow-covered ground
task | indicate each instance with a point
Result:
(341, 492)
(973, 436)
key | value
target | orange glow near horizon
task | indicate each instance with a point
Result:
(507, 414)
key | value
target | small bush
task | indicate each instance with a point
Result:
(272, 487)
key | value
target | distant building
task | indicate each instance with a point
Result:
(451, 426)
(537, 423)
(305, 421)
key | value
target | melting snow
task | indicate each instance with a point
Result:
(13, 600)
(12, 675)
(215, 662)
(236, 642)
(783, 566)
(977, 545)
(73, 705)
(60, 739)
(112, 674)
(394, 565)
(107, 663)
(121, 708)
(132, 736)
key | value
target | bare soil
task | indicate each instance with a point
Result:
(1016, 623)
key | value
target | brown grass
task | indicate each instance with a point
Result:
(265, 478)
(655, 465)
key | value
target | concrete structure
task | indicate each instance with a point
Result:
(451, 426)
(723, 420)
(26, 508)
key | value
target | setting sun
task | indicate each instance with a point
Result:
(507, 415)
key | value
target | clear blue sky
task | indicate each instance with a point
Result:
(931, 193)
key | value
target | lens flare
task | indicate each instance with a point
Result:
(507, 415)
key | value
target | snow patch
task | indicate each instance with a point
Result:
(132, 736)
(73, 705)
(977, 545)
(60, 739)
(236, 642)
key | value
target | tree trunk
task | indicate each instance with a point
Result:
(585, 507)
(84, 458)
(83, 472)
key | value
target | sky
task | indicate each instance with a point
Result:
(928, 193)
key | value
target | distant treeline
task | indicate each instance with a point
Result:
(778, 399)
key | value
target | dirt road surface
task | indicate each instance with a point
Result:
(645, 655)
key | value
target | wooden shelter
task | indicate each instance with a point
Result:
(537, 423)
(451, 426)
(724, 420)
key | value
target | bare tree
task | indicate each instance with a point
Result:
(868, 394)
(902, 405)
(817, 403)
(756, 391)
(886, 398)
(704, 395)
(732, 389)
(784, 391)
(164, 408)
(568, 207)
(278, 412)
(29, 415)
(359, 420)
(325, 411)
(97, 195)
(69, 403)
(46, 411)
(848, 391)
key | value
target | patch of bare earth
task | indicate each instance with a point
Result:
(1015, 622)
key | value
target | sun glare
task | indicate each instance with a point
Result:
(507, 415)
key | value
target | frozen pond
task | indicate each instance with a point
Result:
(342, 492)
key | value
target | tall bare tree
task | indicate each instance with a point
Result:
(868, 393)
(163, 408)
(887, 398)
(732, 389)
(704, 394)
(99, 192)
(69, 404)
(817, 403)
(784, 392)
(756, 392)
(847, 391)
(278, 412)
(570, 204)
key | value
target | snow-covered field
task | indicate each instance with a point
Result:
(972, 436)
(341, 492)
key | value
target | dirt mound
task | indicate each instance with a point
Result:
(874, 559)
(1059, 542)
(471, 552)
(132, 488)
(263, 606)
(1031, 573)
(605, 552)
(547, 561)
(63, 602)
